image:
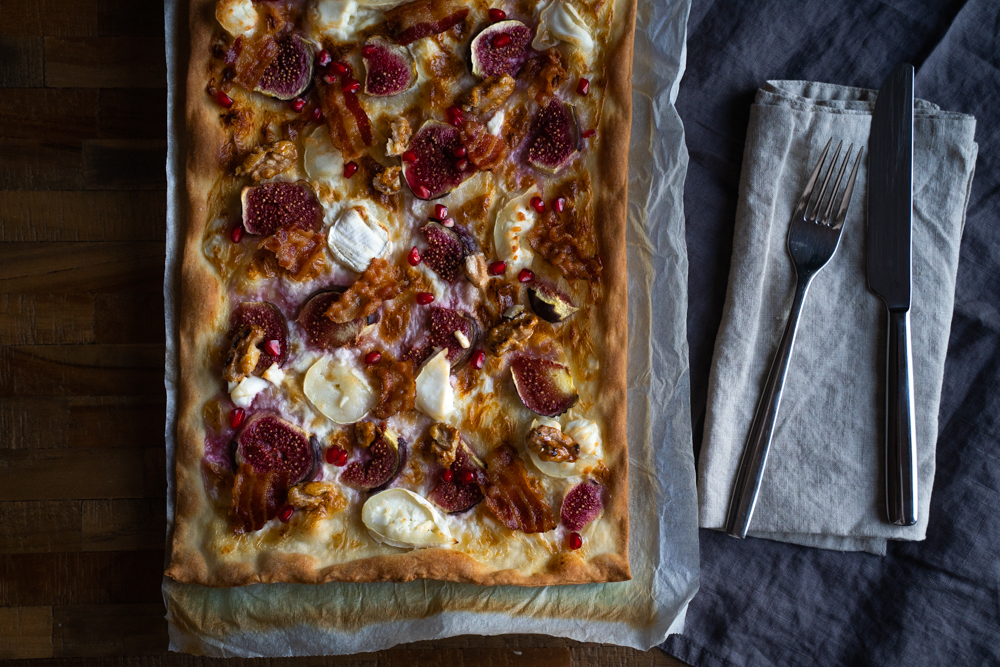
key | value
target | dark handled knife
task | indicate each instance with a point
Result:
(890, 204)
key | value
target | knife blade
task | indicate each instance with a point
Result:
(890, 206)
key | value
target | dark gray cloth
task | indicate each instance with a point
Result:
(935, 602)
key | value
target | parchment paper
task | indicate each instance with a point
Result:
(347, 618)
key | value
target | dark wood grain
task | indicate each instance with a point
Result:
(85, 422)
(102, 577)
(104, 62)
(82, 216)
(22, 61)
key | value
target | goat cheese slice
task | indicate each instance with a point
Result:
(435, 397)
(401, 518)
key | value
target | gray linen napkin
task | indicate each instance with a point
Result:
(823, 485)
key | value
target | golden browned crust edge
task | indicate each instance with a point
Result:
(200, 308)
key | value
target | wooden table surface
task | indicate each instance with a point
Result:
(82, 482)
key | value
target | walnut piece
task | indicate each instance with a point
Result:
(475, 269)
(268, 161)
(243, 353)
(387, 182)
(487, 97)
(400, 139)
(365, 433)
(551, 444)
(511, 334)
(320, 497)
(444, 443)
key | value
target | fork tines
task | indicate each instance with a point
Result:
(805, 203)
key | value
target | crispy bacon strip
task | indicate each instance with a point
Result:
(380, 282)
(511, 496)
(423, 18)
(297, 250)
(350, 127)
(485, 150)
(256, 498)
(251, 56)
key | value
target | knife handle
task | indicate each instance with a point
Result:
(900, 430)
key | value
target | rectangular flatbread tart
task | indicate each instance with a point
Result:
(402, 308)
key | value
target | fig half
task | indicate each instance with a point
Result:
(447, 251)
(377, 465)
(433, 173)
(389, 68)
(555, 136)
(544, 386)
(455, 497)
(268, 443)
(291, 71)
(501, 48)
(449, 329)
(550, 304)
(321, 332)
(581, 505)
(270, 206)
(266, 316)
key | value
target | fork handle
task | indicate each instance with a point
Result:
(754, 458)
(900, 428)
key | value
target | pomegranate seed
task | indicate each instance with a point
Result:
(448, 475)
(273, 348)
(587, 134)
(323, 58)
(286, 513)
(351, 87)
(330, 79)
(462, 164)
(497, 15)
(373, 357)
(583, 87)
(459, 152)
(478, 359)
(526, 275)
(237, 234)
(467, 476)
(236, 417)
(538, 204)
(559, 204)
(454, 110)
(350, 168)
(331, 454)
(448, 222)
(409, 156)
(440, 211)
(501, 41)
(368, 50)
(414, 257)
(298, 104)
(223, 99)
(422, 192)
(575, 541)
(317, 115)
(340, 68)
(497, 268)
(456, 120)
(424, 298)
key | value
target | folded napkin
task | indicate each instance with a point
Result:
(824, 482)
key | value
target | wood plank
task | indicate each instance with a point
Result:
(25, 632)
(75, 370)
(592, 655)
(85, 422)
(29, 165)
(129, 317)
(46, 116)
(70, 474)
(49, 17)
(127, 17)
(40, 526)
(105, 62)
(100, 577)
(82, 216)
(181, 660)
(22, 61)
(81, 267)
(46, 319)
(98, 631)
(497, 657)
(125, 164)
(123, 525)
(133, 113)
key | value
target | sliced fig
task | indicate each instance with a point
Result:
(454, 496)
(389, 68)
(291, 71)
(544, 386)
(550, 304)
(501, 48)
(433, 173)
(581, 505)
(423, 18)
(266, 316)
(448, 329)
(321, 332)
(555, 136)
(269, 206)
(268, 443)
(446, 255)
(378, 464)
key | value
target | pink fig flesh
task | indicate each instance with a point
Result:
(555, 136)
(493, 57)
(322, 333)
(291, 71)
(389, 68)
(269, 206)
(433, 173)
(266, 316)
(582, 505)
(268, 443)
(444, 323)
(378, 465)
(455, 496)
(544, 386)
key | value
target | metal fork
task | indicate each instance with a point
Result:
(812, 241)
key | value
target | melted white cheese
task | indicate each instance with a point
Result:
(274, 375)
(238, 17)
(356, 237)
(243, 393)
(322, 161)
(401, 518)
(510, 232)
(560, 22)
(435, 397)
(339, 391)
